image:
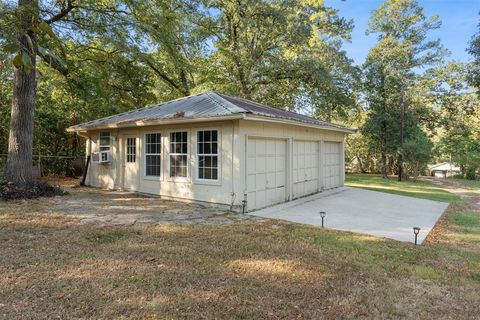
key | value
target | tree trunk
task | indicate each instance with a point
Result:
(384, 164)
(402, 128)
(20, 143)
(360, 165)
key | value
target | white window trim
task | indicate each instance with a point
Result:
(135, 155)
(144, 155)
(167, 147)
(99, 141)
(197, 180)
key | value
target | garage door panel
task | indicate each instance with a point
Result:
(305, 168)
(331, 166)
(259, 165)
(268, 171)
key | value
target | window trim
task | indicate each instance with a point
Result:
(135, 155)
(144, 155)
(198, 180)
(168, 153)
(100, 141)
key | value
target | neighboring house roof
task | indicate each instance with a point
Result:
(207, 106)
(444, 166)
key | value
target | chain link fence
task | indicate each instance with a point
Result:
(43, 165)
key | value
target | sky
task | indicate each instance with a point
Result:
(459, 23)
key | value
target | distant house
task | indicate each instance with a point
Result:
(215, 148)
(443, 170)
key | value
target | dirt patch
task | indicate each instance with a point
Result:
(470, 195)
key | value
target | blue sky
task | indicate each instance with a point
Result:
(459, 23)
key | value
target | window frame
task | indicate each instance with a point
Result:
(100, 146)
(134, 155)
(161, 154)
(169, 153)
(199, 180)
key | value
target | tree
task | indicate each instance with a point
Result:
(27, 32)
(474, 50)
(392, 72)
(459, 137)
(282, 53)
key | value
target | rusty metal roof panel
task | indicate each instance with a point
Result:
(204, 105)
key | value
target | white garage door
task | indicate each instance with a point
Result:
(305, 168)
(332, 165)
(266, 172)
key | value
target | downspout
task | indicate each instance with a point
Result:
(88, 156)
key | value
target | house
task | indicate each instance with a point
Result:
(444, 170)
(215, 148)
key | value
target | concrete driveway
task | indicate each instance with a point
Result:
(358, 210)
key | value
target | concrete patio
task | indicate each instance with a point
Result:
(357, 210)
(93, 205)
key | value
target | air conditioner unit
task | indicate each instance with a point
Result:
(101, 157)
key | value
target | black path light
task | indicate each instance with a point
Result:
(416, 231)
(244, 203)
(322, 215)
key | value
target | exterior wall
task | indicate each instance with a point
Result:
(111, 175)
(232, 158)
(250, 128)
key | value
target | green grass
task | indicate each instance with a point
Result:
(416, 189)
(466, 219)
(51, 266)
(474, 184)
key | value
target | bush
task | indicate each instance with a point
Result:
(11, 191)
(417, 152)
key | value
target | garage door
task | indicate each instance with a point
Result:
(266, 172)
(305, 168)
(332, 165)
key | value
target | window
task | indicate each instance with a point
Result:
(131, 150)
(207, 155)
(178, 154)
(104, 141)
(153, 154)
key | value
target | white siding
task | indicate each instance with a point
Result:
(110, 176)
(288, 157)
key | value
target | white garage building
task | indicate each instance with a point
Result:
(215, 148)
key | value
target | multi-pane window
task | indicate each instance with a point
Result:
(153, 154)
(207, 155)
(104, 141)
(178, 154)
(131, 150)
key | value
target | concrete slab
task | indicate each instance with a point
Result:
(363, 211)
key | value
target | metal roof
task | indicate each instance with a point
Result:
(203, 105)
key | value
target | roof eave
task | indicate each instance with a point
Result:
(154, 123)
(255, 117)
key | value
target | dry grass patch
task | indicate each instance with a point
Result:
(52, 267)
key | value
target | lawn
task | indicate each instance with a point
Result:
(417, 189)
(54, 268)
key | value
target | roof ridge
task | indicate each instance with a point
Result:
(286, 110)
(227, 105)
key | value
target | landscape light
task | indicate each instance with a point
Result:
(416, 231)
(244, 203)
(322, 215)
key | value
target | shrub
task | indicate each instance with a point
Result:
(11, 191)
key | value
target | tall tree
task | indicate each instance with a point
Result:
(281, 52)
(474, 50)
(48, 31)
(392, 69)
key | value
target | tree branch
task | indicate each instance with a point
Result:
(62, 13)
